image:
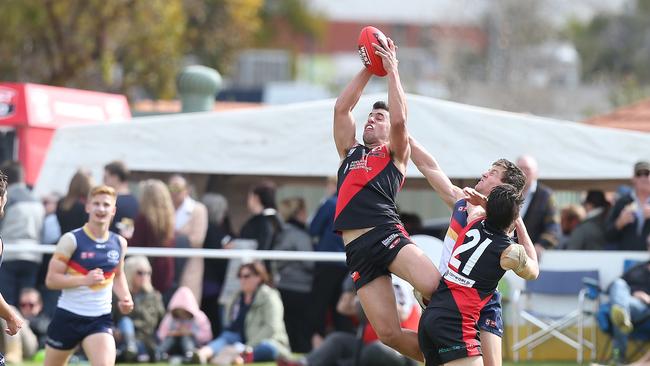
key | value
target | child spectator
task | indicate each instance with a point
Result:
(184, 327)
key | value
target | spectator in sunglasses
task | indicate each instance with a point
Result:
(254, 329)
(628, 224)
(31, 338)
(31, 308)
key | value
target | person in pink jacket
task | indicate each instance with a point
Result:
(184, 327)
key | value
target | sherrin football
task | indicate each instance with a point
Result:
(370, 60)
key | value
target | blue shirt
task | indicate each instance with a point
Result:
(126, 207)
(239, 312)
(322, 226)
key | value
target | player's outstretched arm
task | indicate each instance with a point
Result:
(344, 129)
(121, 286)
(399, 144)
(428, 166)
(14, 322)
(522, 257)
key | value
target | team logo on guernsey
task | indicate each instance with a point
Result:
(113, 256)
(391, 241)
(87, 255)
(462, 208)
(491, 323)
(355, 276)
(377, 153)
(459, 279)
(360, 164)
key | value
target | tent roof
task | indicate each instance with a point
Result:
(296, 140)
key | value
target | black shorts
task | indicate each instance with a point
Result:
(369, 255)
(442, 339)
(68, 329)
(491, 319)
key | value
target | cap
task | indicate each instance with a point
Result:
(641, 166)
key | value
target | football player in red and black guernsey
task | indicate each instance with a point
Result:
(483, 252)
(501, 171)
(369, 177)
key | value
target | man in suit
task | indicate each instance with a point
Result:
(628, 224)
(539, 210)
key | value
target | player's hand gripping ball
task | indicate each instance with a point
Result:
(370, 60)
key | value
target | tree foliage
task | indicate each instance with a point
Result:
(95, 44)
(615, 46)
(294, 14)
(130, 46)
(217, 29)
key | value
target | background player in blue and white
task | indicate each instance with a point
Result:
(87, 264)
(501, 171)
(14, 322)
(483, 252)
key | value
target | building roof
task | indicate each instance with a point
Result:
(634, 117)
(174, 106)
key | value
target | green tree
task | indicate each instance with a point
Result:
(134, 47)
(95, 44)
(615, 46)
(217, 29)
(293, 16)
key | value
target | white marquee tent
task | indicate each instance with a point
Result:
(296, 141)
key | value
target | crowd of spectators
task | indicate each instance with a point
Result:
(179, 312)
(179, 305)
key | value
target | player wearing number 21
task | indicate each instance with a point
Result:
(483, 252)
(87, 265)
(501, 171)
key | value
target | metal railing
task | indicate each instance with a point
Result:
(245, 254)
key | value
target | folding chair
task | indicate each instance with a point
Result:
(557, 286)
(641, 332)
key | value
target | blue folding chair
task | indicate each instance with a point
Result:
(641, 332)
(558, 286)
